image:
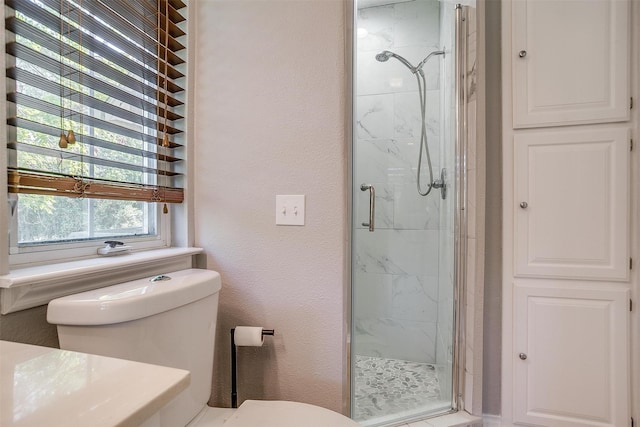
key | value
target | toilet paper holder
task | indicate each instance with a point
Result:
(234, 384)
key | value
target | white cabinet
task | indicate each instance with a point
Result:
(571, 356)
(569, 227)
(570, 62)
(571, 210)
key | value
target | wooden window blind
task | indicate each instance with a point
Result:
(95, 98)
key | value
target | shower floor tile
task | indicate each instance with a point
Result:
(388, 386)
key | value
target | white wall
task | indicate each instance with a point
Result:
(269, 119)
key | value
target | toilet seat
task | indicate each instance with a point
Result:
(271, 413)
(279, 413)
(211, 417)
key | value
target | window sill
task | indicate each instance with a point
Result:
(34, 286)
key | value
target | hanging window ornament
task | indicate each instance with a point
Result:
(71, 137)
(63, 142)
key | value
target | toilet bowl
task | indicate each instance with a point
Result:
(170, 320)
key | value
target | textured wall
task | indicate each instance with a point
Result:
(29, 326)
(270, 114)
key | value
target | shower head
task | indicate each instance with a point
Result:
(386, 54)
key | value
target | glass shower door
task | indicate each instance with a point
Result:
(403, 241)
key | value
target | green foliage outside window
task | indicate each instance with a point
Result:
(54, 218)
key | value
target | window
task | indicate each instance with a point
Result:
(94, 120)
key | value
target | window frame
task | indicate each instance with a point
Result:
(51, 252)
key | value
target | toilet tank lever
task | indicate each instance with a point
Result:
(160, 278)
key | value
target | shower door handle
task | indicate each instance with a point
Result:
(372, 204)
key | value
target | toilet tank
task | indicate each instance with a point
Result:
(168, 320)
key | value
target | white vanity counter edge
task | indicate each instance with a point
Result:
(41, 386)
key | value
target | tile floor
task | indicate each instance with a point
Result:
(389, 386)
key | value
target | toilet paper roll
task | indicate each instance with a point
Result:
(248, 336)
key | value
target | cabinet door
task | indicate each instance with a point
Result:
(572, 203)
(571, 356)
(570, 62)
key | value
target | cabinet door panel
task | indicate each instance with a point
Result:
(576, 188)
(576, 368)
(576, 67)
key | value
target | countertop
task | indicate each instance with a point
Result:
(41, 386)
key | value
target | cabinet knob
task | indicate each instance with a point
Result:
(522, 356)
(524, 205)
(522, 53)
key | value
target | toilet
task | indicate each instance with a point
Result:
(170, 320)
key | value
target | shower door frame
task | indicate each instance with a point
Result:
(460, 207)
(460, 211)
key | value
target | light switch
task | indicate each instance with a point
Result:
(290, 209)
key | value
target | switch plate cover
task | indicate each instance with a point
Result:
(290, 209)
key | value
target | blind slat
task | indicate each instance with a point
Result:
(65, 185)
(143, 18)
(36, 58)
(106, 69)
(124, 24)
(98, 31)
(87, 100)
(89, 160)
(50, 131)
(18, 122)
(56, 110)
(177, 4)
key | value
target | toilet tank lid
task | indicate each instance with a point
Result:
(134, 300)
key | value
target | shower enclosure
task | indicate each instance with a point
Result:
(408, 197)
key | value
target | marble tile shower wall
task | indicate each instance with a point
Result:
(397, 266)
(475, 212)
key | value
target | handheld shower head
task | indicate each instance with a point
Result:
(384, 56)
